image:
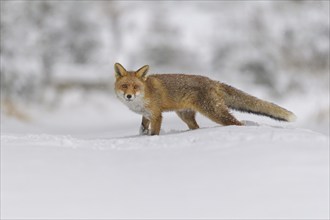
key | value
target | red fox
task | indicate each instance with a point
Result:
(186, 94)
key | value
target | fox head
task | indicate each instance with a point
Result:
(130, 84)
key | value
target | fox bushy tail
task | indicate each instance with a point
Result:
(241, 101)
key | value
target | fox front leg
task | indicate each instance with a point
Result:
(144, 128)
(155, 124)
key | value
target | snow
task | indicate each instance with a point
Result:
(77, 153)
(88, 162)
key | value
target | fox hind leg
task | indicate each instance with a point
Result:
(227, 118)
(218, 112)
(188, 117)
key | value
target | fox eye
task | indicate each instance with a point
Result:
(136, 87)
(124, 86)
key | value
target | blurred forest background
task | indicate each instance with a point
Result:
(55, 53)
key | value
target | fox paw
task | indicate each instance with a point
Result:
(144, 131)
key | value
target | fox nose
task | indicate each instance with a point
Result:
(128, 96)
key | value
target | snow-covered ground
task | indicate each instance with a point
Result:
(86, 161)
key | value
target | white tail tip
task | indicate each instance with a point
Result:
(292, 117)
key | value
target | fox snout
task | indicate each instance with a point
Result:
(129, 97)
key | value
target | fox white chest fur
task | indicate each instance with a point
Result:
(137, 105)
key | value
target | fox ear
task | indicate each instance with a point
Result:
(120, 71)
(142, 71)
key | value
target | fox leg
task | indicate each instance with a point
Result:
(144, 129)
(155, 123)
(218, 113)
(228, 119)
(188, 117)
